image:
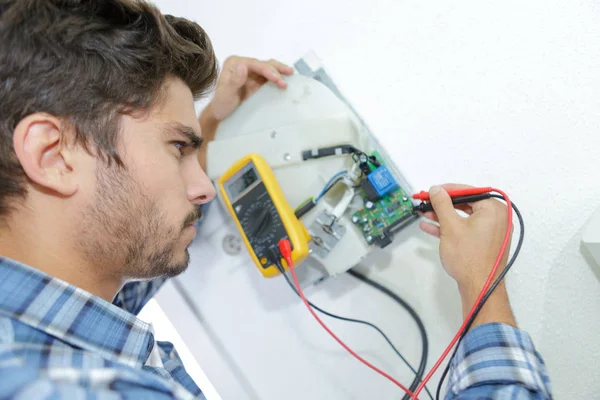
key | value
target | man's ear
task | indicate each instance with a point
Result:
(40, 146)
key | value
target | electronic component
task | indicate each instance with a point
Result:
(262, 214)
(382, 181)
(394, 207)
(305, 208)
(369, 189)
(386, 215)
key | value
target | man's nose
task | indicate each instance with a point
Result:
(201, 190)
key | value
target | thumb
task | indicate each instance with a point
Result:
(443, 207)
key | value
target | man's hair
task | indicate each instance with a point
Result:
(87, 62)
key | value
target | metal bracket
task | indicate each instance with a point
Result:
(325, 232)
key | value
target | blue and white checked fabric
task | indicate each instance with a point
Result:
(497, 361)
(60, 342)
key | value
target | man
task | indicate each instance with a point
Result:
(101, 184)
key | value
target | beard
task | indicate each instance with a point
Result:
(126, 232)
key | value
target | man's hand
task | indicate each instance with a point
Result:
(469, 248)
(239, 79)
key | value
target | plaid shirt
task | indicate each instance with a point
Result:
(497, 361)
(58, 341)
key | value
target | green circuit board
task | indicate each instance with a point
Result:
(383, 213)
(378, 219)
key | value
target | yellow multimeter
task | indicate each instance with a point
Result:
(261, 212)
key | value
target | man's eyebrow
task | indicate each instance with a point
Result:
(186, 132)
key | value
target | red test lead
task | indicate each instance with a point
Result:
(286, 251)
(285, 248)
(424, 196)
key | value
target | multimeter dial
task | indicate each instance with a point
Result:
(260, 222)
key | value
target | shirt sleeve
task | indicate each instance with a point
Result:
(497, 361)
(26, 383)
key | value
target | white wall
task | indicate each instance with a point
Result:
(483, 92)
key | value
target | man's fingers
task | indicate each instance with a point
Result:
(466, 208)
(281, 67)
(476, 206)
(455, 186)
(430, 228)
(463, 207)
(266, 70)
(443, 207)
(431, 216)
(271, 70)
(490, 204)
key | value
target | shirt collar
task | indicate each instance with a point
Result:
(72, 315)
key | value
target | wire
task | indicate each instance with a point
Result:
(486, 291)
(310, 203)
(335, 179)
(357, 321)
(355, 153)
(490, 290)
(326, 190)
(478, 302)
(418, 321)
(307, 205)
(304, 202)
(329, 151)
(333, 335)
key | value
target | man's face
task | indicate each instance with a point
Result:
(139, 221)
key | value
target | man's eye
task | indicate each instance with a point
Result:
(180, 146)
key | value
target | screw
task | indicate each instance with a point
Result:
(232, 245)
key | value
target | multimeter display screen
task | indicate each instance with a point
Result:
(238, 186)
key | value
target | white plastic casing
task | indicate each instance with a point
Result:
(591, 236)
